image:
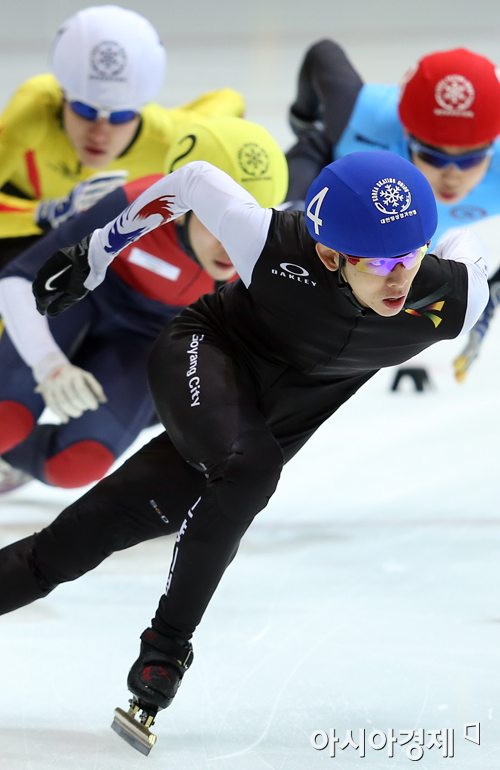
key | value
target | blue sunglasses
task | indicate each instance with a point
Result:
(87, 112)
(441, 159)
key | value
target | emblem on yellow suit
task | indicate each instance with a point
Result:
(253, 159)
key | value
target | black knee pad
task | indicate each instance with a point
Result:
(248, 477)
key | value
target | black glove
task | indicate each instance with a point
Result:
(59, 282)
(157, 673)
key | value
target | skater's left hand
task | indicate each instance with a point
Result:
(69, 391)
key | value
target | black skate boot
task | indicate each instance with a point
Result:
(153, 680)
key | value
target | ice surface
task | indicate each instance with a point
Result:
(365, 596)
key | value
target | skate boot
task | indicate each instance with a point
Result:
(11, 478)
(153, 680)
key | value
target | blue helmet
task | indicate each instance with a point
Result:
(371, 204)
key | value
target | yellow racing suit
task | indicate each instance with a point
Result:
(38, 161)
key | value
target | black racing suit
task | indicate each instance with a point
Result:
(241, 379)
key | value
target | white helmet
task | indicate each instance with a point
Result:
(108, 57)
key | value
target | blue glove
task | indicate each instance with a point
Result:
(51, 213)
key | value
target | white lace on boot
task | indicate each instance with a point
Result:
(11, 478)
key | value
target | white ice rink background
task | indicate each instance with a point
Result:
(365, 597)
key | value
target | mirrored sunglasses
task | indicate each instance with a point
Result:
(87, 112)
(384, 266)
(442, 159)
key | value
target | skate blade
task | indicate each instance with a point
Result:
(133, 732)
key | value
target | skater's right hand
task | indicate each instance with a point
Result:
(60, 281)
(69, 391)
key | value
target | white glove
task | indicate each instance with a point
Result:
(53, 212)
(69, 391)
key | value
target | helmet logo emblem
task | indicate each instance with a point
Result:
(391, 196)
(253, 159)
(454, 95)
(108, 60)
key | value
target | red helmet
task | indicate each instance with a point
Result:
(452, 99)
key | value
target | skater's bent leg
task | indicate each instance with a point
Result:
(82, 450)
(20, 406)
(238, 488)
(225, 435)
(328, 87)
(146, 498)
(305, 161)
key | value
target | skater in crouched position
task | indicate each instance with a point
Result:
(243, 377)
(444, 117)
(90, 365)
(93, 113)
